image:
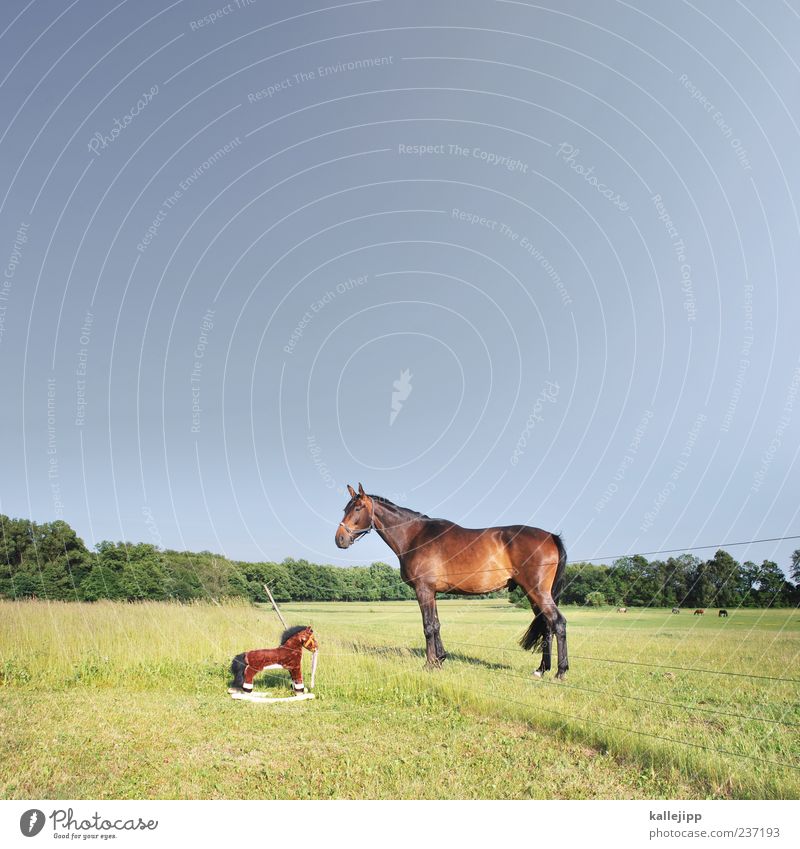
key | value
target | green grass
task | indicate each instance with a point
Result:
(116, 700)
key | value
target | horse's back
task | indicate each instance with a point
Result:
(450, 558)
(530, 545)
(518, 541)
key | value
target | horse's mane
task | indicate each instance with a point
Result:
(390, 504)
(290, 632)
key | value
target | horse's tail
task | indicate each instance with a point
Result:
(238, 666)
(561, 569)
(534, 637)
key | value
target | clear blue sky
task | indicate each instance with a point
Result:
(502, 263)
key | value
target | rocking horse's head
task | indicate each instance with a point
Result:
(300, 635)
(359, 517)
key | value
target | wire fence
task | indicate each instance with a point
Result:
(649, 665)
(550, 710)
(687, 548)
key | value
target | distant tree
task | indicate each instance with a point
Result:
(749, 583)
(595, 599)
(724, 574)
(631, 581)
(580, 579)
(700, 590)
(794, 570)
(358, 585)
(101, 582)
(142, 575)
(677, 578)
(770, 585)
(518, 598)
(275, 575)
(47, 560)
(388, 583)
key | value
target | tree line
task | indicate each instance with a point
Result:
(683, 581)
(49, 560)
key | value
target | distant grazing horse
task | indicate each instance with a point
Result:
(723, 613)
(289, 655)
(438, 556)
(676, 610)
(699, 612)
(622, 610)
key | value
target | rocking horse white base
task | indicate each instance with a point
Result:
(262, 698)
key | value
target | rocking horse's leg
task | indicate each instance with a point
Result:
(297, 679)
(249, 674)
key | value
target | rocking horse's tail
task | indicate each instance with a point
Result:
(238, 666)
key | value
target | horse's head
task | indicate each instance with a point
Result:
(359, 518)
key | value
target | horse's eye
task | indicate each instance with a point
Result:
(358, 510)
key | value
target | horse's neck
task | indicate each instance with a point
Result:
(395, 525)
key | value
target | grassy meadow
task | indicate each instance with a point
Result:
(115, 700)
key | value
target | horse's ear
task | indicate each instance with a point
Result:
(361, 490)
(351, 491)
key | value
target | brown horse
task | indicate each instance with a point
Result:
(438, 556)
(699, 612)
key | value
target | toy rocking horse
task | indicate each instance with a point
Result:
(289, 655)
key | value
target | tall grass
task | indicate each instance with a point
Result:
(120, 693)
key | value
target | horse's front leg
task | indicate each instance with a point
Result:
(427, 605)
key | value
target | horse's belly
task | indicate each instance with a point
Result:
(472, 587)
(486, 580)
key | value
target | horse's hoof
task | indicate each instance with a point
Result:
(561, 676)
(537, 674)
(433, 664)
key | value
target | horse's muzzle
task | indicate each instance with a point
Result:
(343, 539)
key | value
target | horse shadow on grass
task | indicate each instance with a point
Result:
(401, 651)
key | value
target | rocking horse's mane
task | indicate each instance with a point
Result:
(290, 632)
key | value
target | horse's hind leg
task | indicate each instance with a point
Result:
(556, 624)
(441, 654)
(544, 666)
(561, 642)
(430, 623)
